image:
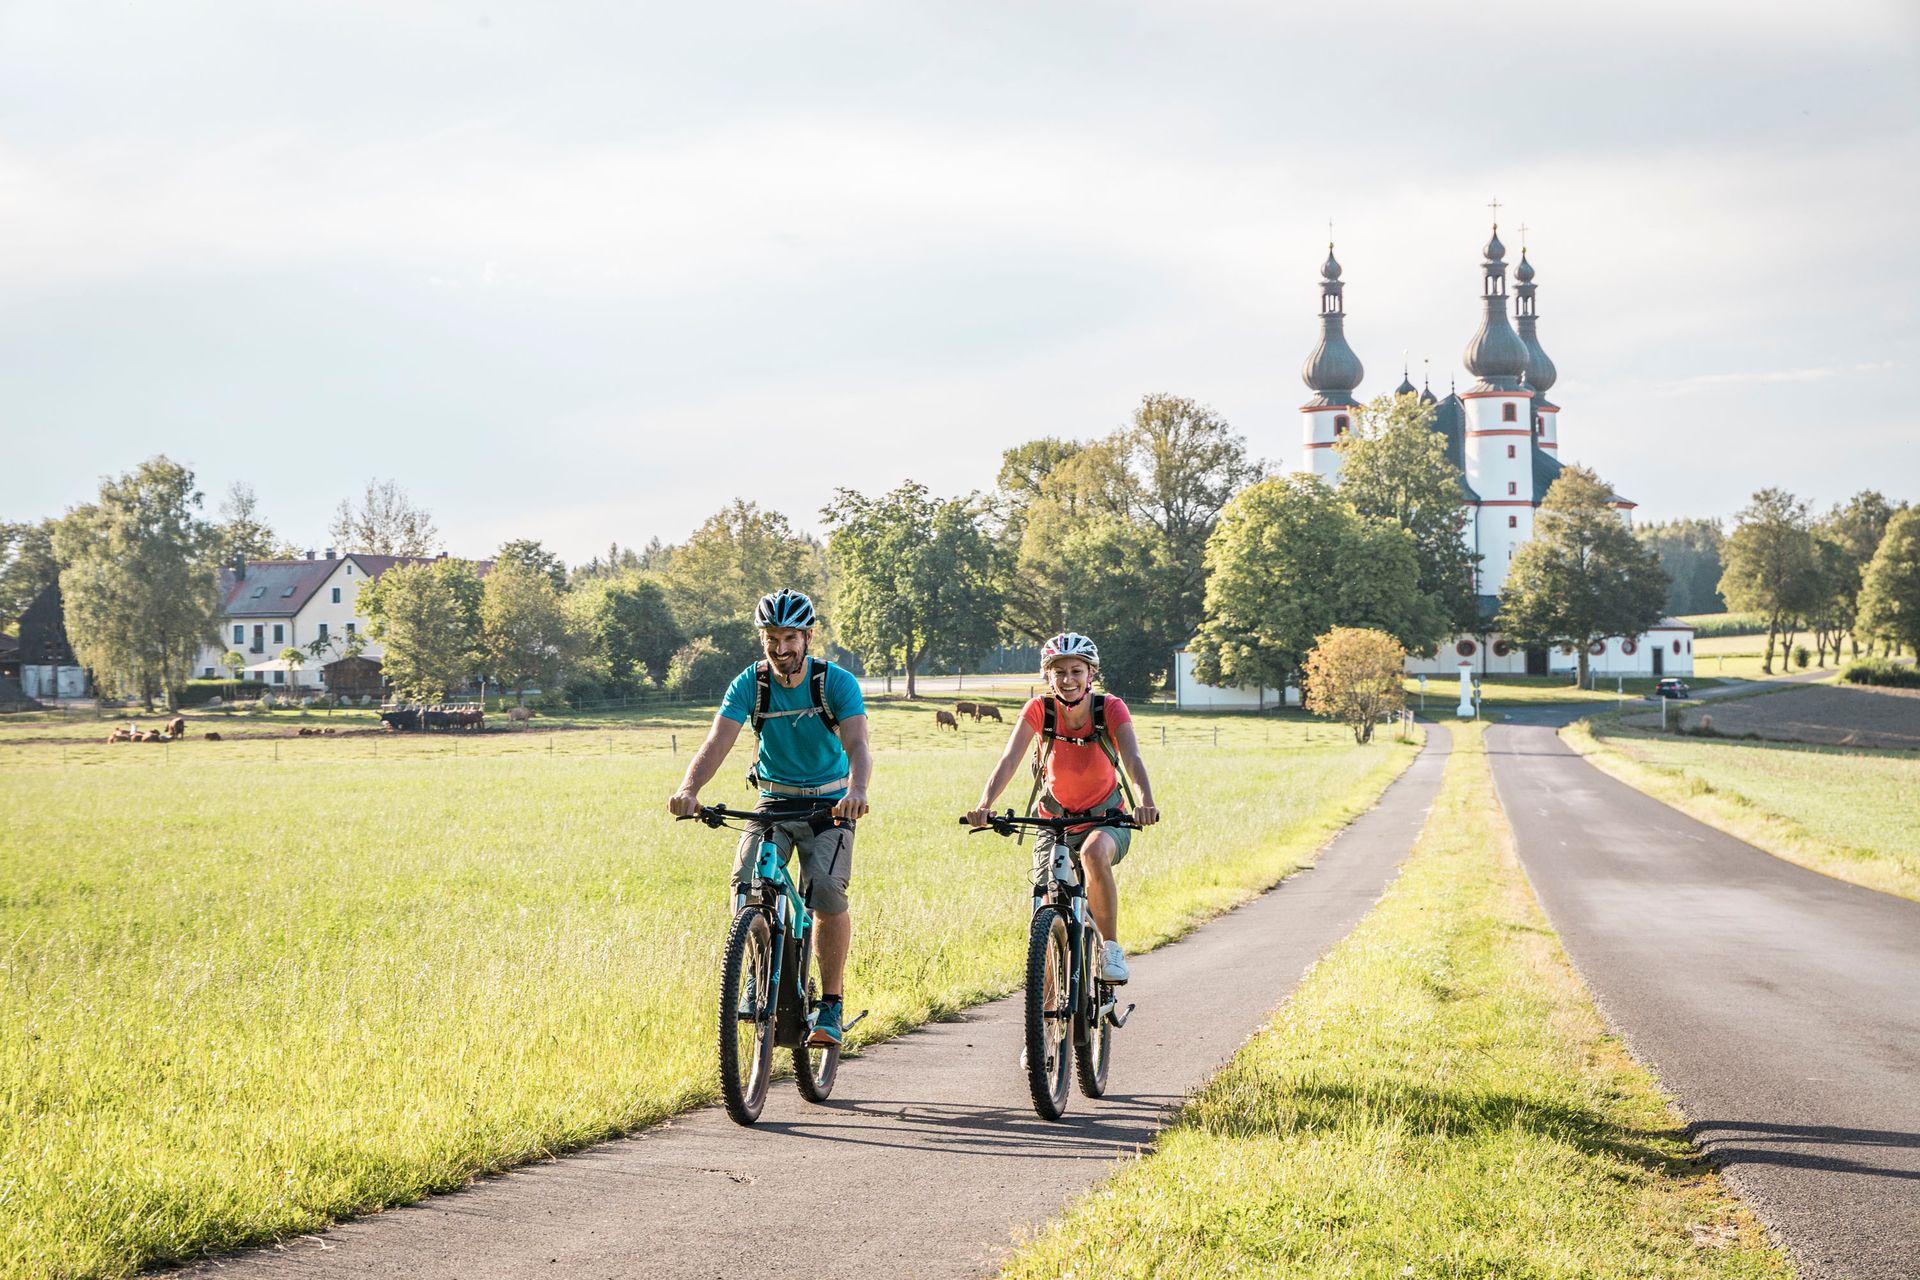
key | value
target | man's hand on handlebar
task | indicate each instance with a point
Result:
(683, 803)
(851, 807)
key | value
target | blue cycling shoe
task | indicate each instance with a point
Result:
(826, 1026)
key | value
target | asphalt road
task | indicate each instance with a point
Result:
(928, 1162)
(1781, 1008)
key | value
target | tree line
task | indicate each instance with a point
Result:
(1162, 534)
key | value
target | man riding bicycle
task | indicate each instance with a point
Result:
(1084, 736)
(812, 726)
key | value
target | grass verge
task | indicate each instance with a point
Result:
(1439, 1099)
(1845, 812)
(249, 987)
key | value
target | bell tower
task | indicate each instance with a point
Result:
(1332, 372)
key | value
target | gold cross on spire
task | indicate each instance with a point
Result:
(1523, 238)
(1495, 206)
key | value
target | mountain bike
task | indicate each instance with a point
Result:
(1066, 1001)
(767, 990)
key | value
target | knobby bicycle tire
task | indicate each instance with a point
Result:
(1049, 985)
(814, 1069)
(1092, 1034)
(746, 1048)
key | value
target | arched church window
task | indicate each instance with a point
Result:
(1510, 451)
(1513, 522)
(1509, 412)
(1340, 424)
(1513, 487)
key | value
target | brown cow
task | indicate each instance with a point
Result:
(967, 709)
(518, 714)
(990, 712)
(212, 737)
(945, 720)
(177, 727)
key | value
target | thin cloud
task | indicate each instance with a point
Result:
(1704, 381)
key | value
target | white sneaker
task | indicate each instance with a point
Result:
(1113, 963)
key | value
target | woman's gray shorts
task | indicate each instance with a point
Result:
(826, 861)
(1043, 844)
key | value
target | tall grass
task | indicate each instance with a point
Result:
(1438, 1099)
(1847, 812)
(252, 987)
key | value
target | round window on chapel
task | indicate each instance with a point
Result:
(1466, 648)
(1501, 648)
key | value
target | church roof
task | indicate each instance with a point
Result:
(1450, 420)
(1547, 469)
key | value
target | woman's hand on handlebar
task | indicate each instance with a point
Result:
(980, 817)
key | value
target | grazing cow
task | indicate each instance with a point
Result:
(989, 711)
(213, 737)
(177, 727)
(945, 720)
(403, 718)
(519, 715)
(966, 709)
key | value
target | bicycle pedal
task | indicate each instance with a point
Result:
(856, 1022)
(1118, 1016)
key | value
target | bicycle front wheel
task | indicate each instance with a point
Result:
(1092, 1033)
(1049, 1015)
(746, 1016)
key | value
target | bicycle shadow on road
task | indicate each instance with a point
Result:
(1737, 1142)
(1117, 1124)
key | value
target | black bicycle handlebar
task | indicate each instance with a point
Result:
(1007, 823)
(718, 815)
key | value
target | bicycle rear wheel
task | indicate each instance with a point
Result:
(1092, 1033)
(746, 1016)
(1049, 1019)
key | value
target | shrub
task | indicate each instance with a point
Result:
(701, 669)
(1802, 656)
(1882, 671)
(1354, 675)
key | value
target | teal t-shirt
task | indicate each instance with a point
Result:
(799, 750)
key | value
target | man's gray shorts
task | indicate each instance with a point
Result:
(826, 862)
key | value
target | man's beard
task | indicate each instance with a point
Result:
(787, 663)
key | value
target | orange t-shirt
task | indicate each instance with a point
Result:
(1079, 775)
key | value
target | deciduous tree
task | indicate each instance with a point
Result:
(1890, 594)
(1356, 675)
(1290, 561)
(386, 523)
(739, 554)
(1770, 566)
(27, 568)
(1394, 466)
(137, 578)
(1689, 551)
(523, 627)
(912, 579)
(427, 616)
(241, 534)
(1583, 576)
(530, 554)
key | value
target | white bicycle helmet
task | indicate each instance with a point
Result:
(1069, 644)
(784, 608)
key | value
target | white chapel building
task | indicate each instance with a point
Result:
(1503, 436)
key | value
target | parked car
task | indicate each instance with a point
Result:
(1671, 687)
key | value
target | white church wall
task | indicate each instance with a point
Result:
(1191, 695)
(1319, 429)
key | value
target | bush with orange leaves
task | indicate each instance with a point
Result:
(1354, 675)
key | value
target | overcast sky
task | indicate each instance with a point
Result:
(584, 272)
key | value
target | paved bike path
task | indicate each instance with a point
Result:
(1780, 1007)
(927, 1162)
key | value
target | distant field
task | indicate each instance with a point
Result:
(1706, 625)
(251, 986)
(1506, 692)
(1438, 1099)
(1844, 811)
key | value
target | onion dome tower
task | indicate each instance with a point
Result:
(1540, 371)
(1499, 427)
(1406, 387)
(1332, 372)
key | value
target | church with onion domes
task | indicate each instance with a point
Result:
(1503, 436)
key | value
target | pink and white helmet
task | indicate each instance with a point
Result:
(1069, 644)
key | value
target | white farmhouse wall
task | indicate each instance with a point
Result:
(1191, 695)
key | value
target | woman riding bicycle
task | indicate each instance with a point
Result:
(1083, 736)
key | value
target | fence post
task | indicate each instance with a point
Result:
(1216, 735)
(673, 741)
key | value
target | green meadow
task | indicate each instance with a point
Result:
(1845, 811)
(251, 986)
(1439, 1098)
